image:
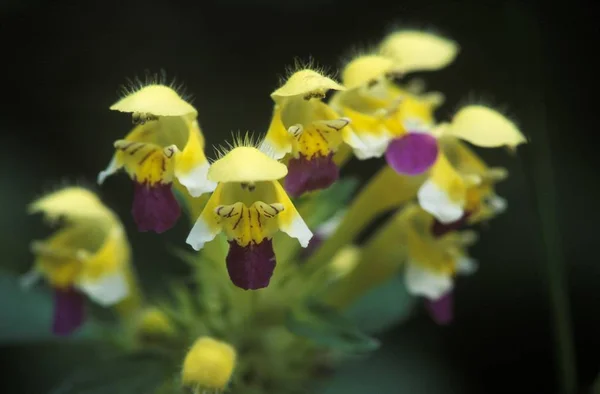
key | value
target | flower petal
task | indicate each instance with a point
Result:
(72, 203)
(365, 69)
(207, 226)
(107, 290)
(277, 143)
(442, 309)
(305, 175)
(485, 127)
(423, 282)
(112, 167)
(196, 181)
(69, 311)
(290, 221)
(414, 50)
(306, 83)
(154, 207)
(436, 201)
(251, 267)
(246, 164)
(155, 99)
(413, 153)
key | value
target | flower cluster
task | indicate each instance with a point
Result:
(272, 214)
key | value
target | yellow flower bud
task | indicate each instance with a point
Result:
(208, 365)
(154, 323)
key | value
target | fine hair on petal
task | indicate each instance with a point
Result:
(485, 100)
(400, 26)
(356, 51)
(308, 64)
(137, 83)
(238, 139)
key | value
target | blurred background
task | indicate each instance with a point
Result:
(64, 61)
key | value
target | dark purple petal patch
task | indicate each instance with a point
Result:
(154, 207)
(305, 175)
(250, 267)
(69, 311)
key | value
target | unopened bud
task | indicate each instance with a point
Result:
(208, 366)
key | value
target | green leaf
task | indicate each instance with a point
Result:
(318, 207)
(326, 326)
(382, 307)
(27, 313)
(127, 374)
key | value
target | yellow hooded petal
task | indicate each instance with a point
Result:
(485, 127)
(157, 100)
(366, 69)
(246, 164)
(307, 84)
(414, 50)
(73, 203)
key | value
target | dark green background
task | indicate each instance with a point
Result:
(63, 62)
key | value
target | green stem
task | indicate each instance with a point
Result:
(385, 191)
(541, 178)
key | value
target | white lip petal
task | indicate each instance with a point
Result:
(436, 201)
(106, 290)
(200, 234)
(196, 180)
(422, 282)
(299, 230)
(108, 171)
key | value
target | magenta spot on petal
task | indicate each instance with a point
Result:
(69, 311)
(154, 207)
(305, 175)
(251, 267)
(412, 154)
(438, 229)
(442, 309)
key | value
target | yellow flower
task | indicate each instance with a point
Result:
(481, 202)
(386, 118)
(446, 193)
(208, 365)
(167, 144)
(432, 262)
(249, 205)
(413, 50)
(88, 255)
(305, 127)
